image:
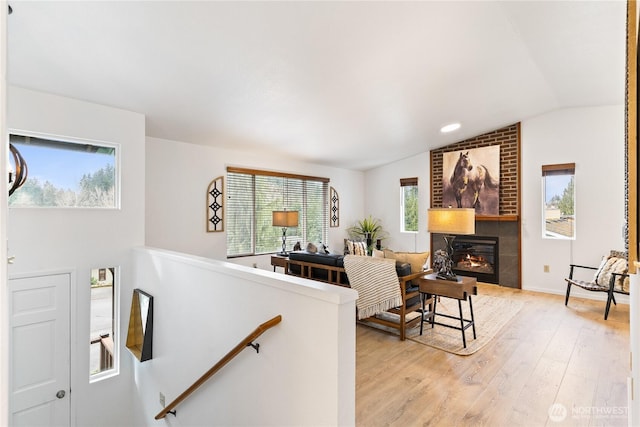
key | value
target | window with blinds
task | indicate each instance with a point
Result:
(409, 205)
(558, 195)
(253, 195)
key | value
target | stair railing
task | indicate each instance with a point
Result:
(247, 342)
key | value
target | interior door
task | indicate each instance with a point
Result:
(39, 350)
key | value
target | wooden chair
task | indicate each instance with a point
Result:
(381, 291)
(611, 277)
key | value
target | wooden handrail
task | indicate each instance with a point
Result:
(226, 359)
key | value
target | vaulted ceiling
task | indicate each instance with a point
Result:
(347, 84)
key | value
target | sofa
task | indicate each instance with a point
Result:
(329, 268)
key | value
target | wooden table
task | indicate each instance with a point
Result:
(279, 261)
(460, 290)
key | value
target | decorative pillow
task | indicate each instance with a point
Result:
(603, 263)
(376, 253)
(625, 284)
(357, 248)
(416, 259)
(611, 265)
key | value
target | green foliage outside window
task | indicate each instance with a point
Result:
(410, 208)
(96, 190)
(251, 199)
(566, 202)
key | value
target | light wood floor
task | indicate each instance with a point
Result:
(548, 354)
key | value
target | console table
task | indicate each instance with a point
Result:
(279, 261)
(460, 290)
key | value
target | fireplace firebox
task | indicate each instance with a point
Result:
(476, 256)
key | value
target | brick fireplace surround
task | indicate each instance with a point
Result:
(506, 225)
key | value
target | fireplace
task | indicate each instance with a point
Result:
(476, 256)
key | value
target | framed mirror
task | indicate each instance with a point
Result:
(140, 334)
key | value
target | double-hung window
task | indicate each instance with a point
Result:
(409, 205)
(559, 207)
(253, 195)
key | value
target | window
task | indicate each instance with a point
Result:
(103, 342)
(253, 195)
(558, 191)
(409, 205)
(66, 174)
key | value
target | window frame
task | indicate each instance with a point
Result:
(561, 169)
(79, 141)
(404, 184)
(287, 202)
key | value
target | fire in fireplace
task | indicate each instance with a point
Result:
(476, 256)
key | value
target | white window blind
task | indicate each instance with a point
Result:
(253, 195)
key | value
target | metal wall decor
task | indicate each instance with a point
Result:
(215, 208)
(17, 176)
(334, 207)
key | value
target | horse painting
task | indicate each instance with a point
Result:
(467, 177)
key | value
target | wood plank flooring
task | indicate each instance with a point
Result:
(549, 354)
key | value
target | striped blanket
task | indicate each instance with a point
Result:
(376, 281)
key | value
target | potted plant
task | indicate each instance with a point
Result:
(369, 230)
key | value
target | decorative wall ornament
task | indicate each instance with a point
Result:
(334, 207)
(215, 205)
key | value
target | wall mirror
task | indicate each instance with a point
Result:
(140, 334)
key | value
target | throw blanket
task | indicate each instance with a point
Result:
(376, 281)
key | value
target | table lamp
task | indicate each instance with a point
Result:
(284, 219)
(449, 222)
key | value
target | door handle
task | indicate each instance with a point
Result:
(11, 259)
(60, 394)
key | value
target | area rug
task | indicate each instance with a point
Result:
(491, 314)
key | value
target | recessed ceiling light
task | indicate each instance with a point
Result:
(450, 127)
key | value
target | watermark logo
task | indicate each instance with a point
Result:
(557, 412)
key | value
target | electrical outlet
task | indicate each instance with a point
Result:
(546, 268)
(162, 400)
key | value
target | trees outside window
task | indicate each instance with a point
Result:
(66, 174)
(409, 205)
(253, 195)
(558, 210)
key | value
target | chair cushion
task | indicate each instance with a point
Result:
(590, 286)
(316, 258)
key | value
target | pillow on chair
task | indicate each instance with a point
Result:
(609, 265)
(416, 259)
(357, 248)
(377, 253)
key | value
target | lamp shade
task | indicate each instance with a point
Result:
(285, 218)
(451, 220)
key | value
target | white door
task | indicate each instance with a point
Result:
(39, 349)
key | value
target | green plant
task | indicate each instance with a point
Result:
(367, 229)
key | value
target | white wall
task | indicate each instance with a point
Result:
(178, 175)
(382, 201)
(80, 239)
(303, 375)
(593, 139)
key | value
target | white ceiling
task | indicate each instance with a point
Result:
(348, 84)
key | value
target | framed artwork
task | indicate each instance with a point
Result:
(471, 179)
